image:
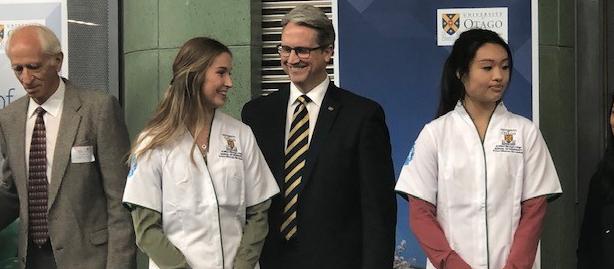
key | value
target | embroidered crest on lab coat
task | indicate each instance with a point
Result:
(231, 150)
(508, 144)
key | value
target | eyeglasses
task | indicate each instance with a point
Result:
(303, 53)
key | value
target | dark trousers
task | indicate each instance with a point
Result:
(40, 257)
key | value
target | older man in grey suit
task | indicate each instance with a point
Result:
(64, 174)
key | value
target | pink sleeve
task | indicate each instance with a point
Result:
(424, 224)
(526, 237)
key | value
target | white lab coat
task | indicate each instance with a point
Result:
(203, 206)
(478, 190)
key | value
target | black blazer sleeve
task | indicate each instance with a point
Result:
(378, 202)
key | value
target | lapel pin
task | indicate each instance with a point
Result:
(330, 108)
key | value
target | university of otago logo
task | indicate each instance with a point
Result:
(231, 151)
(450, 23)
(509, 143)
(230, 144)
(508, 137)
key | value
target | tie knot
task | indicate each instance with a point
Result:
(40, 111)
(303, 99)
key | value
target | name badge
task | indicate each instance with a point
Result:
(82, 154)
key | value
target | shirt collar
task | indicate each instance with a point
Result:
(459, 108)
(316, 94)
(53, 105)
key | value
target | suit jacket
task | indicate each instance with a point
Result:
(346, 212)
(88, 226)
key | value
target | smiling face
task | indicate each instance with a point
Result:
(217, 81)
(488, 75)
(36, 71)
(305, 73)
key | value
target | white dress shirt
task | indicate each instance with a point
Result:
(52, 117)
(313, 108)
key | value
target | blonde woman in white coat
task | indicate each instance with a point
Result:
(199, 188)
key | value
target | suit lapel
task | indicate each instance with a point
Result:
(69, 124)
(278, 132)
(16, 133)
(326, 117)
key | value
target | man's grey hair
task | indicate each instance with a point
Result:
(312, 17)
(50, 43)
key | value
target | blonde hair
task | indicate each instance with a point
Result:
(183, 103)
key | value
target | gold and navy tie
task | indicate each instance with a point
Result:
(296, 153)
(37, 182)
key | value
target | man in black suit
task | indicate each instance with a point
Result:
(329, 150)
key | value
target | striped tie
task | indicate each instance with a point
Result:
(296, 151)
(37, 182)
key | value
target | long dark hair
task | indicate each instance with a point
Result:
(607, 163)
(457, 65)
